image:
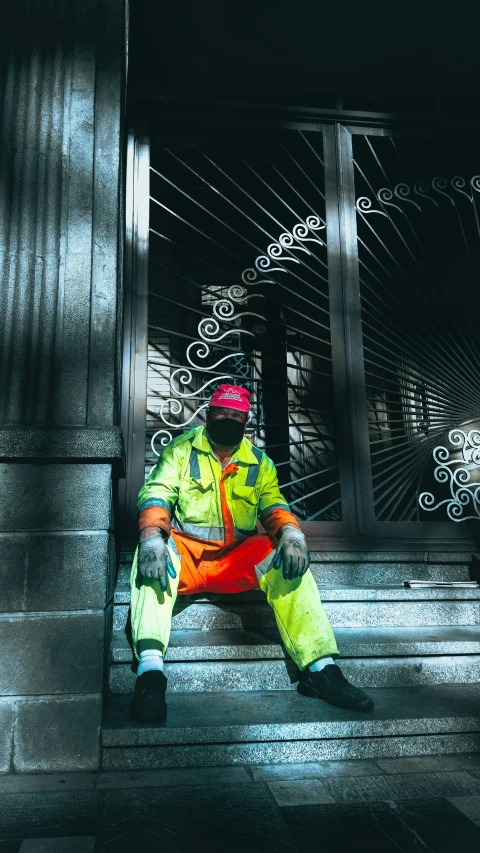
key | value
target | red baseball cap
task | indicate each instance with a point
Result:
(231, 397)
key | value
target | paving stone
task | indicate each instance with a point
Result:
(314, 770)
(78, 844)
(470, 806)
(411, 786)
(49, 814)
(475, 773)
(409, 826)
(52, 653)
(426, 763)
(164, 778)
(36, 782)
(58, 734)
(212, 818)
(300, 792)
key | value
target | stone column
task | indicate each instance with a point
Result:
(62, 88)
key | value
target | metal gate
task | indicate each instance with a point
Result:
(331, 270)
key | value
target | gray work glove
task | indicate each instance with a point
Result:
(154, 560)
(292, 551)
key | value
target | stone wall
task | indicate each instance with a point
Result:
(62, 88)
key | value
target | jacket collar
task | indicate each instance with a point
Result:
(243, 454)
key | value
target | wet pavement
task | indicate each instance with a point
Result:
(407, 805)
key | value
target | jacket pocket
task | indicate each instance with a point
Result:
(244, 506)
(245, 493)
(195, 501)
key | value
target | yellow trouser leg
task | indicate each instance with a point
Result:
(151, 609)
(303, 624)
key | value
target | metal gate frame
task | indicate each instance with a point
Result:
(425, 534)
(358, 530)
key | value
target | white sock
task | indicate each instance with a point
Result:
(318, 665)
(150, 659)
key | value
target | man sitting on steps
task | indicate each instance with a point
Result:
(197, 515)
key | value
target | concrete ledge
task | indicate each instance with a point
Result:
(43, 497)
(62, 443)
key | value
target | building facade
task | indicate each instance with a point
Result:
(159, 239)
(62, 94)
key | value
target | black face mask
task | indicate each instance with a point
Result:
(225, 432)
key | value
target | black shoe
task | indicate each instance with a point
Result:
(148, 704)
(331, 685)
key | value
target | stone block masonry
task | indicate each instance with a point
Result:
(60, 443)
(57, 571)
(56, 586)
(55, 599)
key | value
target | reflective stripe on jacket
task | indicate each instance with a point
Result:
(208, 503)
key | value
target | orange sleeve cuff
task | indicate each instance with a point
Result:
(276, 519)
(155, 516)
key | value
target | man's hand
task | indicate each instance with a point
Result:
(154, 561)
(292, 551)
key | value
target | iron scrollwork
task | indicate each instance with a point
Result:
(223, 310)
(421, 190)
(464, 495)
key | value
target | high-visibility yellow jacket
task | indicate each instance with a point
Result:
(189, 488)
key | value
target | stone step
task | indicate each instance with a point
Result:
(450, 557)
(231, 644)
(331, 592)
(282, 674)
(275, 726)
(345, 571)
(345, 606)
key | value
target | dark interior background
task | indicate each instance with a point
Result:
(409, 57)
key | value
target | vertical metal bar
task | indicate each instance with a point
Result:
(357, 397)
(337, 327)
(135, 345)
(275, 390)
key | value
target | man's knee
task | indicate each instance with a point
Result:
(265, 565)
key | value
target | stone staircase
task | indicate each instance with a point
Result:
(231, 686)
